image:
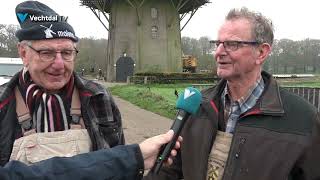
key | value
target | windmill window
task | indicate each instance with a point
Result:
(154, 13)
(154, 32)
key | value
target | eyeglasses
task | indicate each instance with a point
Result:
(50, 55)
(232, 45)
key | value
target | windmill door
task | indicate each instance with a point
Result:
(124, 68)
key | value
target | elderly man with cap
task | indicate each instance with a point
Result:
(46, 109)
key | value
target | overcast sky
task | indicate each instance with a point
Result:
(293, 19)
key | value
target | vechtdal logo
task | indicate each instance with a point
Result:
(22, 16)
(41, 18)
(188, 93)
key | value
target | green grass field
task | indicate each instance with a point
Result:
(301, 82)
(160, 98)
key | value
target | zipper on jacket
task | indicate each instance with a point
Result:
(237, 154)
(229, 154)
(241, 143)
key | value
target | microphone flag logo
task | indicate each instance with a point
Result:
(188, 93)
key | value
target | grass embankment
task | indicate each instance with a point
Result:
(159, 99)
(313, 82)
(301, 82)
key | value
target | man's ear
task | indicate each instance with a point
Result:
(262, 53)
(23, 54)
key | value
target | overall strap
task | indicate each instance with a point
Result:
(24, 117)
(75, 111)
(23, 114)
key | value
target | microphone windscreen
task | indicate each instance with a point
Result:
(189, 100)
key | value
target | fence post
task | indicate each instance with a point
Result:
(145, 80)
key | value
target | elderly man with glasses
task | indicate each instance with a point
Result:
(46, 109)
(247, 128)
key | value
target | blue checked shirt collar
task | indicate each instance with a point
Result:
(233, 109)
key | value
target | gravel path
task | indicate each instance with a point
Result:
(139, 124)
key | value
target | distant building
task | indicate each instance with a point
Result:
(9, 67)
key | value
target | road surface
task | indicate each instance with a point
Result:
(139, 124)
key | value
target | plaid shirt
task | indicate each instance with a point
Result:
(101, 113)
(233, 109)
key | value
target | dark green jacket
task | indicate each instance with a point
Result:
(278, 139)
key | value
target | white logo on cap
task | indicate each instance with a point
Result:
(48, 31)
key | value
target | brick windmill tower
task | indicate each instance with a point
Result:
(144, 35)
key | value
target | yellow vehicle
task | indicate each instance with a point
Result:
(189, 63)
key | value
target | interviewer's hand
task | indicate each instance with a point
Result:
(150, 148)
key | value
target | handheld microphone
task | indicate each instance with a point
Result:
(188, 103)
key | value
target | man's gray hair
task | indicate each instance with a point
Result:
(26, 42)
(29, 42)
(262, 28)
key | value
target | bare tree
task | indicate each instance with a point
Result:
(8, 41)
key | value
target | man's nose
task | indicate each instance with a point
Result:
(58, 61)
(220, 50)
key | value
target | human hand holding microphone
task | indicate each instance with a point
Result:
(188, 103)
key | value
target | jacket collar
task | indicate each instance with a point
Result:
(87, 87)
(6, 90)
(269, 103)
